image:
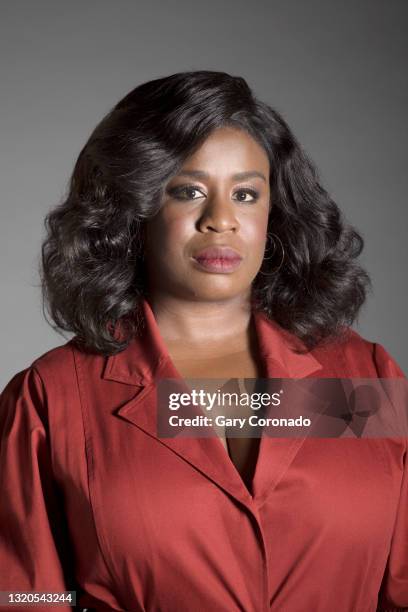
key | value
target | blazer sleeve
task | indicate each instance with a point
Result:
(32, 548)
(393, 594)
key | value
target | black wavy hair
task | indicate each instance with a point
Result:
(92, 272)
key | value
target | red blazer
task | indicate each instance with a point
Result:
(92, 500)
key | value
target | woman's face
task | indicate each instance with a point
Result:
(206, 205)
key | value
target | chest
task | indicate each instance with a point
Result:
(241, 364)
(243, 452)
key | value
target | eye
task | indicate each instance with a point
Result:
(254, 194)
(188, 190)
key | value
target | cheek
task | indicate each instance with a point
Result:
(253, 232)
(170, 234)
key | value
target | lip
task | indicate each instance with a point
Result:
(218, 259)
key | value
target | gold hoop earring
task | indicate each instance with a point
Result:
(271, 237)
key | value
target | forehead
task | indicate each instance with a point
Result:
(232, 148)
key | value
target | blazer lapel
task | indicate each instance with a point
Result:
(146, 360)
(278, 350)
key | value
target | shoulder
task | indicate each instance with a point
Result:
(360, 357)
(51, 369)
(56, 358)
(27, 391)
(55, 365)
(48, 387)
(64, 359)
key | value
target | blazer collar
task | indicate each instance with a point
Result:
(147, 356)
(146, 359)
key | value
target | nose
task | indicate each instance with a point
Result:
(218, 215)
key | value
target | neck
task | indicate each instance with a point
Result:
(201, 323)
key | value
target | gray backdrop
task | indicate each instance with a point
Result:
(335, 70)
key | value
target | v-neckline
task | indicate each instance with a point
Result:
(263, 371)
(147, 361)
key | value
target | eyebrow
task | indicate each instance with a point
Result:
(239, 176)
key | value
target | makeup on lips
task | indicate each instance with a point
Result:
(218, 259)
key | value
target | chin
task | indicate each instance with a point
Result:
(214, 293)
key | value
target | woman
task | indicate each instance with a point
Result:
(197, 242)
